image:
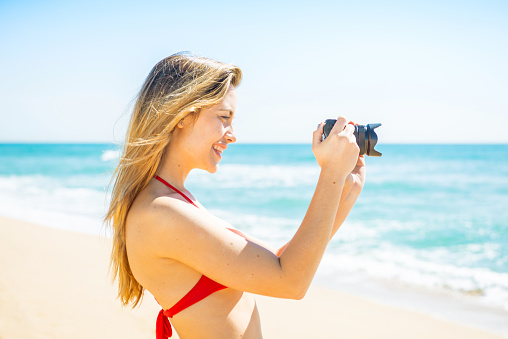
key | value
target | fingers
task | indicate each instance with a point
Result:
(349, 130)
(343, 127)
(361, 161)
(318, 134)
(339, 125)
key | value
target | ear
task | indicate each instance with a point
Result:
(185, 119)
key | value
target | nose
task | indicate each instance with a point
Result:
(230, 134)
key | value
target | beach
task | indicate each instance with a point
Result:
(55, 284)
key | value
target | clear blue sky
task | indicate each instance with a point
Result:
(429, 71)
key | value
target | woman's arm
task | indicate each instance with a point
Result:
(352, 189)
(179, 231)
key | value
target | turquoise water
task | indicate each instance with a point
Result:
(433, 216)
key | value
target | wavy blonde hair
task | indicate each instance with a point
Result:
(177, 86)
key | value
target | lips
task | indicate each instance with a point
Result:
(219, 148)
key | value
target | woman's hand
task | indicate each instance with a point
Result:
(356, 179)
(339, 151)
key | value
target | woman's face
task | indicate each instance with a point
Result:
(206, 139)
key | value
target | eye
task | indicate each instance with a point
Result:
(225, 117)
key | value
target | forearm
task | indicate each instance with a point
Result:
(347, 202)
(352, 189)
(301, 256)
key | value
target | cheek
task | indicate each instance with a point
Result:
(213, 132)
(204, 139)
(206, 132)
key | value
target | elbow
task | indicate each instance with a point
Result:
(297, 290)
(299, 296)
(293, 284)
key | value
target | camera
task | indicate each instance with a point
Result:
(365, 136)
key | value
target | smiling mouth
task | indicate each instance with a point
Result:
(218, 150)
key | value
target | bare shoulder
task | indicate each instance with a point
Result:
(152, 216)
(166, 225)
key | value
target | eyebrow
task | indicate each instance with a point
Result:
(227, 110)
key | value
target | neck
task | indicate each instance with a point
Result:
(174, 168)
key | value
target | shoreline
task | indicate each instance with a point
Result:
(451, 306)
(54, 282)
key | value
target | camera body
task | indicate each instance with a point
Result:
(365, 136)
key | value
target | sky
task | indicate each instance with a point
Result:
(428, 71)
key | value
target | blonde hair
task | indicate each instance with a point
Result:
(177, 86)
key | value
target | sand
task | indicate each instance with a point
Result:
(55, 284)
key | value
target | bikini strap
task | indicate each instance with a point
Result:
(174, 189)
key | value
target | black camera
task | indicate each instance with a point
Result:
(365, 136)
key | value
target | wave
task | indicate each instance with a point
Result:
(111, 155)
(256, 176)
(404, 267)
(55, 202)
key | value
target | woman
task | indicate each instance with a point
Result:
(197, 266)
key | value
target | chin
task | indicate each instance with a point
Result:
(212, 168)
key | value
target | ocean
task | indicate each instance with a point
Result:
(431, 218)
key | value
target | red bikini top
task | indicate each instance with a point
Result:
(203, 288)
